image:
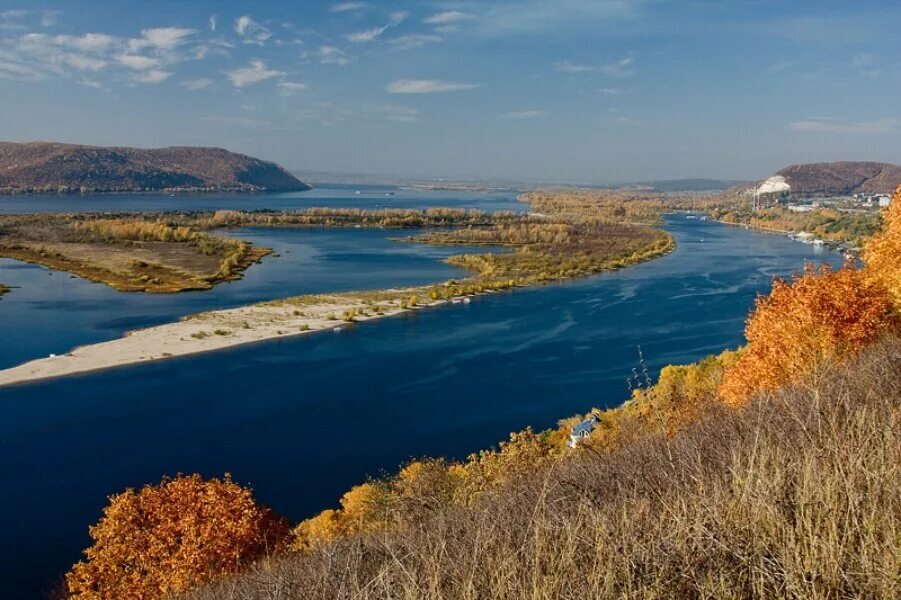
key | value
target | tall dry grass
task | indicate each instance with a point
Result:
(796, 496)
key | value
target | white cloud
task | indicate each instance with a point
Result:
(448, 17)
(214, 21)
(865, 64)
(83, 63)
(11, 19)
(196, 84)
(524, 114)
(49, 18)
(251, 31)
(611, 91)
(619, 68)
(370, 35)
(329, 55)
(570, 67)
(255, 72)
(289, 88)
(347, 7)
(138, 62)
(161, 38)
(400, 114)
(842, 126)
(515, 17)
(427, 86)
(414, 40)
(152, 76)
(91, 83)
(89, 42)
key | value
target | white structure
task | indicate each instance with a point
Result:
(884, 200)
(582, 430)
(774, 188)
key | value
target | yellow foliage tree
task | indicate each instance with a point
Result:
(819, 315)
(882, 252)
(168, 538)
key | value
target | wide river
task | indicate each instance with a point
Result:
(301, 420)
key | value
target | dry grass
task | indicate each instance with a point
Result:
(796, 496)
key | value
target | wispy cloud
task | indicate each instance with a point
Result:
(571, 67)
(427, 86)
(347, 7)
(255, 72)
(214, 21)
(49, 18)
(370, 35)
(161, 38)
(152, 76)
(865, 65)
(196, 84)
(251, 32)
(524, 114)
(623, 67)
(448, 20)
(413, 40)
(843, 126)
(611, 91)
(330, 55)
(289, 88)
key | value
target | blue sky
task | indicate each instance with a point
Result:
(556, 90)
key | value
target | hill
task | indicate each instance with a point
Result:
(841, 178)
(50, 167)
(795, 496)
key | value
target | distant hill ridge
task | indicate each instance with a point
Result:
(844, 177)
(51, 167)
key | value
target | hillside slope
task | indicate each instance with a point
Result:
(839, 178)
(743, 504)
(42, 167)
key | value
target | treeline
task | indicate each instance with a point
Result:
(635, 206)
(350, 217)
(824, 223)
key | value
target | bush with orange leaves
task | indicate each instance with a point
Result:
(167, 538)
(882, 252)
(822, 314)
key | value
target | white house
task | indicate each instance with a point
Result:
(582, 430)
(884, 200)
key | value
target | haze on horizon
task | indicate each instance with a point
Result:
(579, 90)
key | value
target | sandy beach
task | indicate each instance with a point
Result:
(216, 330)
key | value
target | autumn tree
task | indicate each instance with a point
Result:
(882, 252)
(821, 314)
(170, 537)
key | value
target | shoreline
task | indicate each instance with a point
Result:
(228, 328)
(218, 330)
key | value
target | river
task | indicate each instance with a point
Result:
(301, 420)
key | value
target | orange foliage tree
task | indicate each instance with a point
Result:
(882, 252)
(167, 538)
(819, 315)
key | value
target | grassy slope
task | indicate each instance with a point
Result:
(799, 495)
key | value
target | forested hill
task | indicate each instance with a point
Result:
(50, 167)
(845, 177)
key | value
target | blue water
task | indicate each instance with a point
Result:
(62, 311)
(301, 420)
(332, 196)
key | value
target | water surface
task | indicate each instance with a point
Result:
(303, 419)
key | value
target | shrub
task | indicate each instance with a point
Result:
(819, 315)
(173, 536)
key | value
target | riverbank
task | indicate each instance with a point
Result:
(221, 329)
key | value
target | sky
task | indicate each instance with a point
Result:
(590, 91)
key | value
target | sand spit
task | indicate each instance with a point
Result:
(220, 329)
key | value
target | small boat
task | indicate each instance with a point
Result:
(466, 300)
(337, 330)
